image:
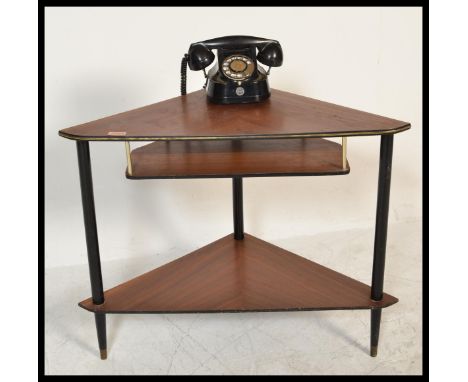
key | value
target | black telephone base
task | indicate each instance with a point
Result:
(231, 101)
(231, 93)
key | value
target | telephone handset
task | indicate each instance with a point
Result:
(236, 77)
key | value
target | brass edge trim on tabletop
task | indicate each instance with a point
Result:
(237, 137)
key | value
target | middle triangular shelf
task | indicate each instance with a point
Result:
(250, 157)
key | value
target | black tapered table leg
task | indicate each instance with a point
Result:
(375, 329)
(100, 319)
(380, 241)
(238, 208)
(92, 244)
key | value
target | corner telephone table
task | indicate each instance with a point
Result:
(192, 138)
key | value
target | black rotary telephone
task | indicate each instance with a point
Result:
(236, 77)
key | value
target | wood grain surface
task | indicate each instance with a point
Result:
(191, 117)
(237, 276)
(265, 157)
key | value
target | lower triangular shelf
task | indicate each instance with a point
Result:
(238, 276)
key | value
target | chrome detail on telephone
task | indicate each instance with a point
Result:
(240, 91)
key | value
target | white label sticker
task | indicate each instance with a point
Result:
(117, 133)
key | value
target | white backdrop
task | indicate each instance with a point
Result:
(102, 61)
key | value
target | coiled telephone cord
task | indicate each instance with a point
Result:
(183, 75)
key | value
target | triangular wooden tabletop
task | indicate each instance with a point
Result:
(192, 116)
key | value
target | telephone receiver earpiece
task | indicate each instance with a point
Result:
(271, 54)
(199, 57)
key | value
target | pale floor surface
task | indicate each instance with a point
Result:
(326, 342)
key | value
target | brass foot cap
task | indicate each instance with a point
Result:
(373, 351)
(103, 353)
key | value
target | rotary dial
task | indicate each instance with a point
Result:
(238, 67)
